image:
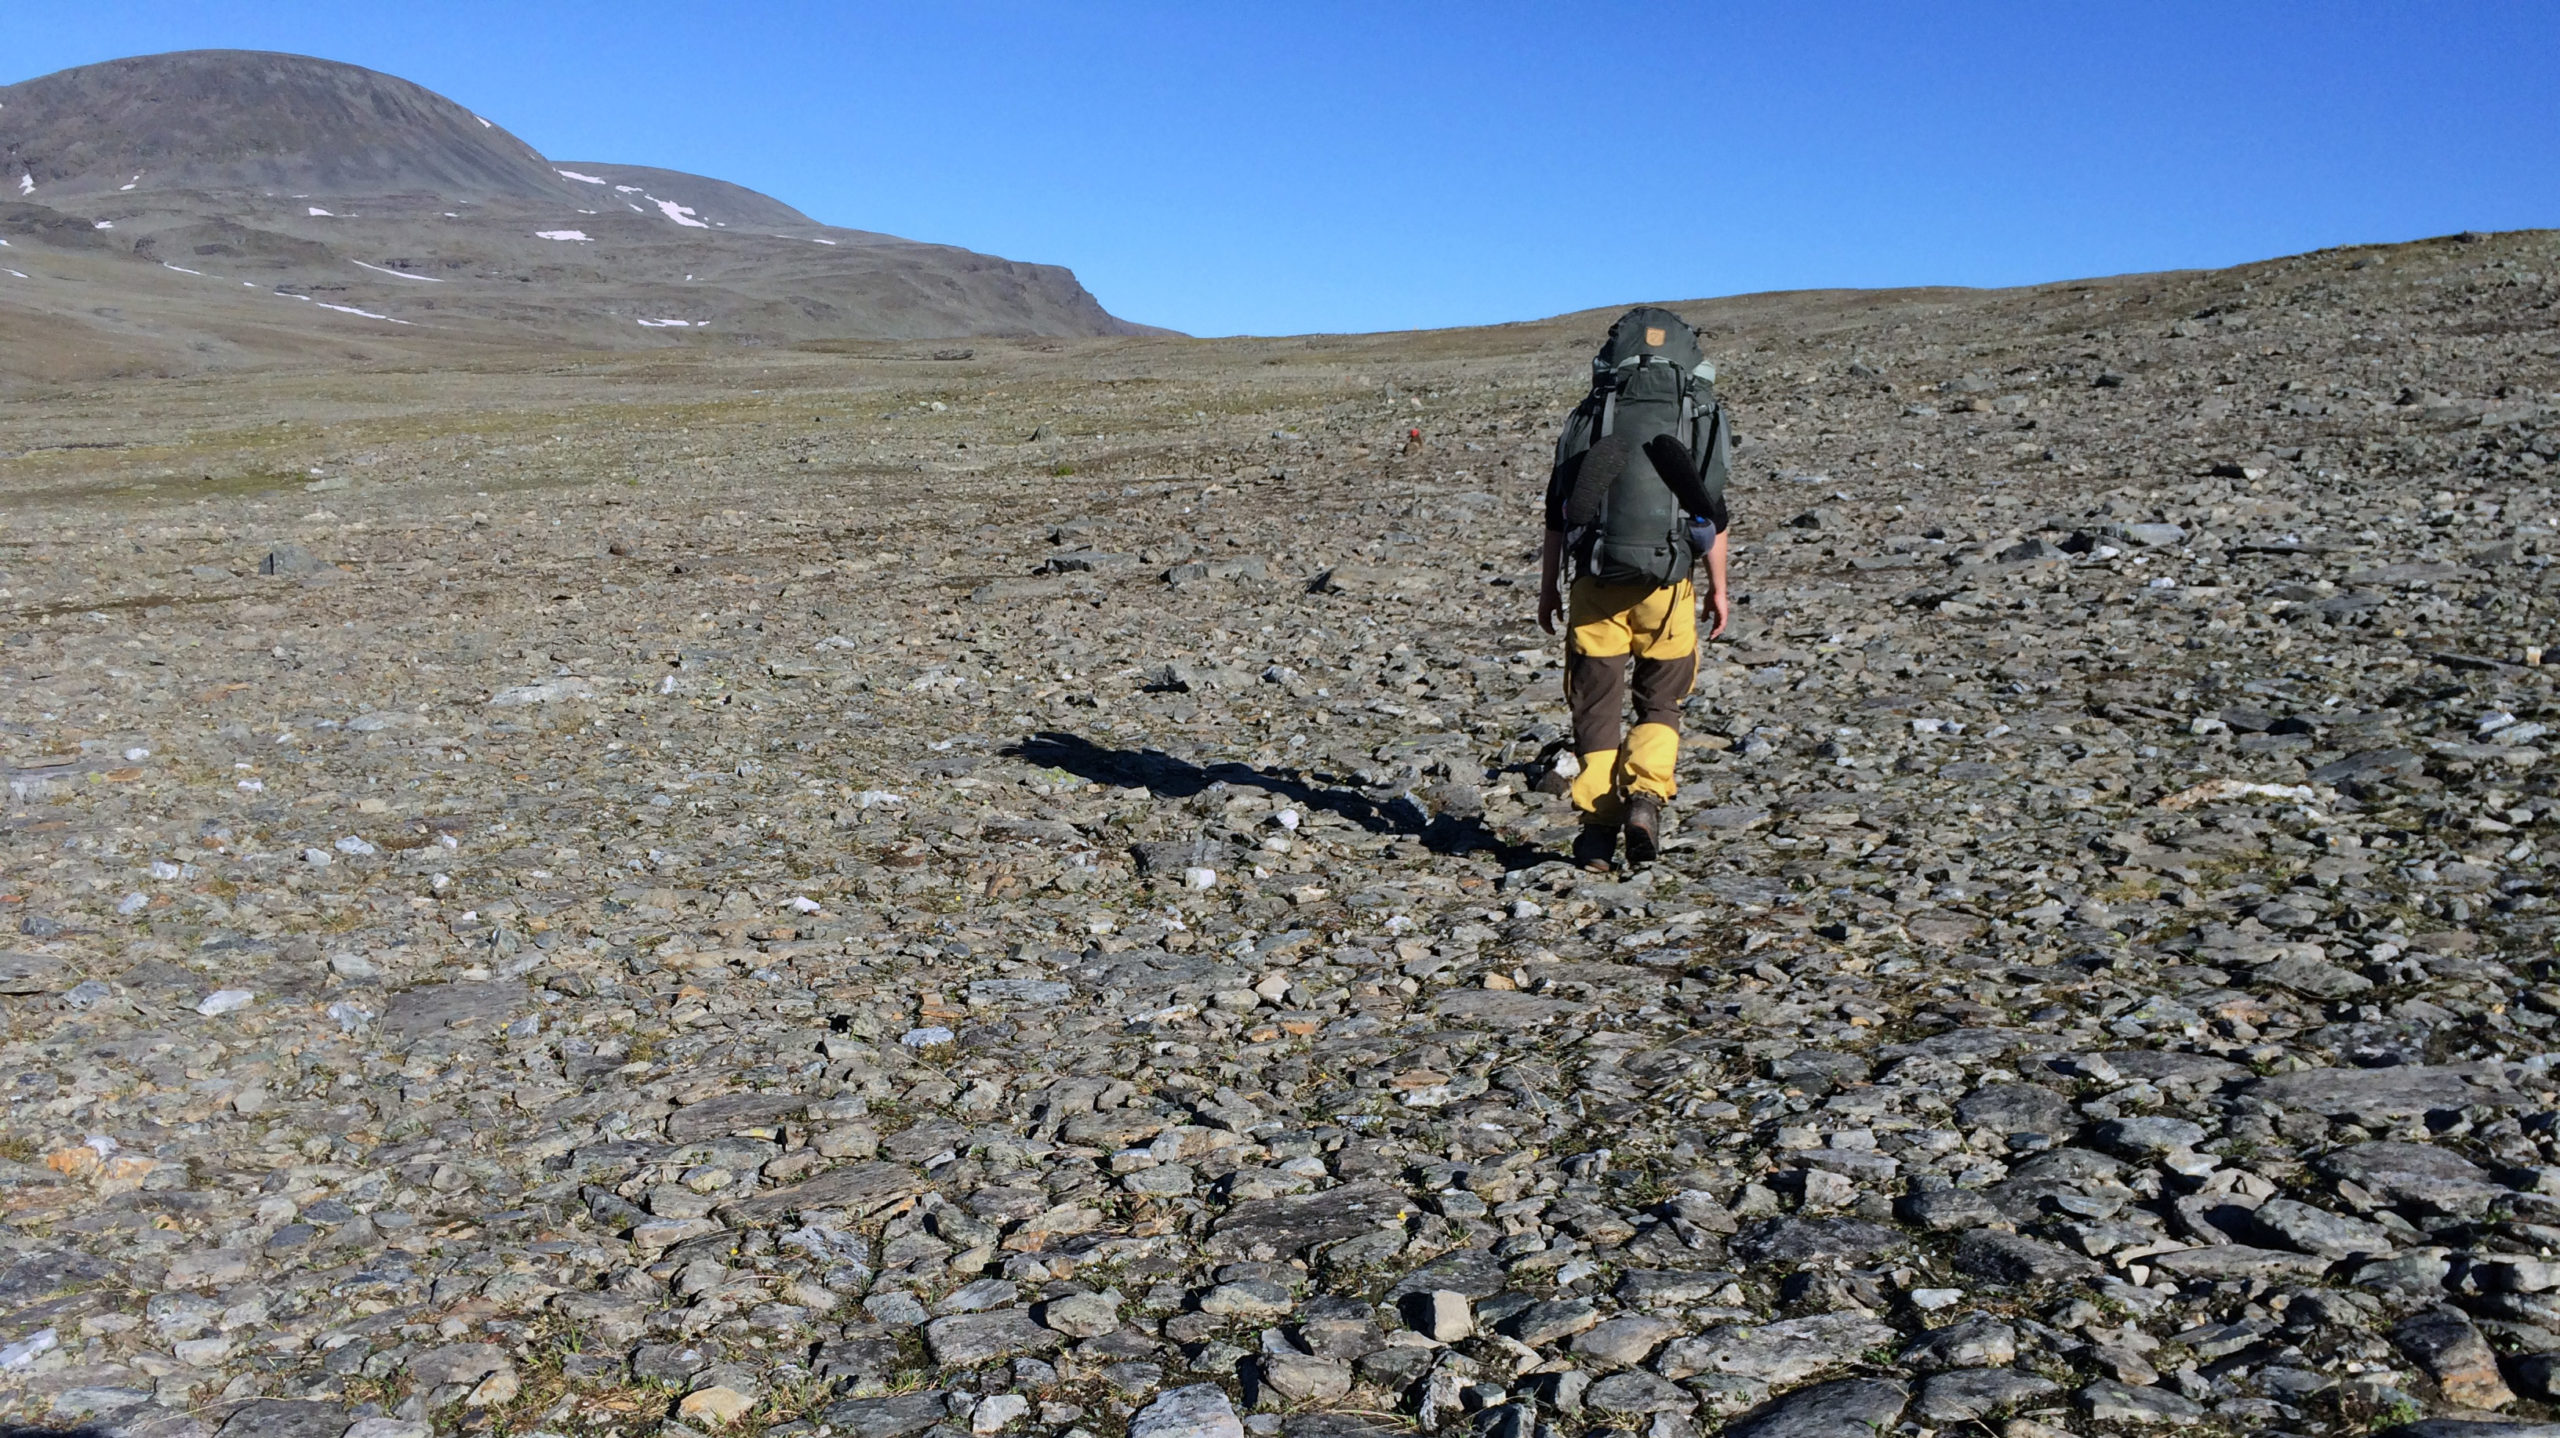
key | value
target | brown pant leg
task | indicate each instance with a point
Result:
(1596, 687)
(1660, 685)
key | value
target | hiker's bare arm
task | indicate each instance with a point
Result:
(1719, 587)
(1550, 569)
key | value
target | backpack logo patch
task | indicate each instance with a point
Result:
(1656, 338)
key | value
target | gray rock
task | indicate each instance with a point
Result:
(2313, 978)
(1292, 1225)
(1948, 1210)
(2239, 1260)
(901, 1415)
(1551, 1322)
(2016, 1259)
(2316, 1230)
(2417, 1173)
(1973, 1342)
(1665, 1288)
(1963, 1395)
(457, 1363)
(1636, 1392)
(2108, 1401)
(732, 1114)
(2148, 1135)
(284, 1418)
(2415, 1273)
(1256, 1298)
(1299, 1378)
(1625, 1341)
(1849, 1408)
(862, 1187)
(2378, 1097)
(2017, 1108)
(420, 1012)
(1791, 1241)
(2368, 764)
(964, 1340)
(2443, 1341)
(1081, 1315)
(291, 558)
(1784, 1352)
(1467, 1272)
(1019, 993)
(1199, 1411)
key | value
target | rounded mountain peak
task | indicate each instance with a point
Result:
(250, 120)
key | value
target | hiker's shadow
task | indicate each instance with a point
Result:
(1166, 777)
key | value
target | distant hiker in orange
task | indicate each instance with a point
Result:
(1636, 499)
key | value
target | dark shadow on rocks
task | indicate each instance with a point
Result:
(1167, 777)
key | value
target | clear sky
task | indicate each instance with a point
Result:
(1308, 166)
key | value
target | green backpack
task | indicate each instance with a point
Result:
(1650, 383)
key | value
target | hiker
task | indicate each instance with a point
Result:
(1645, 448)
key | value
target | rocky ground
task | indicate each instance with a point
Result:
(872, 895)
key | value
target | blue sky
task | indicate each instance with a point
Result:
(1313, 166)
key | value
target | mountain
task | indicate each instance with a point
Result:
(221, 207)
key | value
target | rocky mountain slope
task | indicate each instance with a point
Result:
(211, 209)
(859, 894)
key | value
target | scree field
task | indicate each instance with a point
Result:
(1015, 886)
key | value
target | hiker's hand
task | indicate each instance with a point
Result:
(1719, 604)
(1550, 608)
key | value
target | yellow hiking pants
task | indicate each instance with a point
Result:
(1612, 627)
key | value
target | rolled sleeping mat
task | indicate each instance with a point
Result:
(1671, 460)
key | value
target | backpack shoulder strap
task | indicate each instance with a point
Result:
(1580, 429)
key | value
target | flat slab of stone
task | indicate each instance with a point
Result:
(861, 1187)
(2311, 1229)
(1294, 1224)
(1472, 1272)
(433, 1008)
(2111, 1402)
(284, 1418)
(2166, 1066)
(1944, 931)
(24, 974)
(899, 1416)
(1788, 1351)
(733, 1113)
(2239, 1260)
(1966, 1394)
(964, 1340)
(1199, 1411)
(2419, 1173)
(1019, 993)
(2377, 1097)
(2017, 1108)
(1340, 1425)
(1789, 1241)
(1668, 1287)
(1637, 1392)
(2017, 1259)
(1963, 1044)
(1850, 1408)
(33, 1277)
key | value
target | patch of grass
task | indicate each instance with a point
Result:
(2402, 1410)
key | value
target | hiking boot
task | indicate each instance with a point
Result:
(1596, 847)
(1644, 828)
